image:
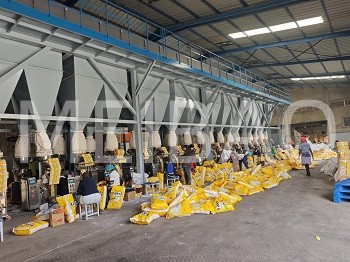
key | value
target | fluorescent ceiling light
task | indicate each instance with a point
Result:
(258, 31)
(310, 21)
(317, 78)
(237, 35)
(279, 27)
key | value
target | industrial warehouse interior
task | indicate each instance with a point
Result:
(174, 130)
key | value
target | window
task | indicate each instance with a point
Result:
(346, 121)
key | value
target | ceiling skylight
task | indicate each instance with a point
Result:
(317, 78)
(279, 27)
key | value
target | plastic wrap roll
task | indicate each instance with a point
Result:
(172, 139)
(230, 138)
(90, 144)
(221, 138)
(111, 141)
(22, 146)
(211, 137)
(132, 142)
(59, 145)
(42, 144)
(200, 137)
(78, 143)
(155, 141)
(187, 138)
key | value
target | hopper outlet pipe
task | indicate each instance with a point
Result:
(111, 141)
(145, 139)
(266, 136)
(221, 138)
(250, 137)
(187, 139)
(200, 137)
(78, 142)
(261, 137)
(255, 138)
(90, 144)
(59, 145)
(172, 139)
(211, 137)
(155, 140)
(42, 144)
(194, 139)
(230, 138)
(132, 142)
(22, 146)
(237, 138)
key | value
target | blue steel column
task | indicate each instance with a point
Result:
(138, 126)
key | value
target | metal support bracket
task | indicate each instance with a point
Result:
(189, 96)
(148, 71)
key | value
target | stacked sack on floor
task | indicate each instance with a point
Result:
(291, 158)
(223, 191)
(343, 171)
(324, 154)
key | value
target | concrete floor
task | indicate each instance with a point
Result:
(279, 224)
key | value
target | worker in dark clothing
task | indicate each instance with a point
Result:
(189, 163)
(87, 190)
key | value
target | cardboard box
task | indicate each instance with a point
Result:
(56, 219)
(130, 195)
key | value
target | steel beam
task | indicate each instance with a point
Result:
(244, 11)
(151, 95)
(79, 46)
(288, 42)
(311, 61)
(212, 106)
(110, 84)
(271, 110)
(189, 96)
(213, 93)
(236, 108)
(53, 31)
(148, 71)
(24, 64)
(138, 125)
(11, 27)
(313, 75)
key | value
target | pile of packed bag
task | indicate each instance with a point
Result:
(215, 188)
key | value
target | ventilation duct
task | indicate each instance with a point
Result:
(172, 139)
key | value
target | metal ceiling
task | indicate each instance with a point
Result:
(319, 50)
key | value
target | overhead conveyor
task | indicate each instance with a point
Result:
(104, 30)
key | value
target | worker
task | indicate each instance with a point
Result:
(226, 153)
(189, 163)
(87, 190)
(234, 157)
(306, 153)
(113, 176)
(257, 152)
(243, 158)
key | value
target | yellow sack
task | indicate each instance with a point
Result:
(255, 190)
(171, 192)
(158, 202)
(144, 218)
(224, 197)
(241, 190)
(67, 202)
(198, 208)
(255, 170)
(102, 189)
(223, 207)
(220, 179)
(146, 207)
(209, 175)
(161, 180)
(180, 210)
(29, 228)
(268, 170)
(116, 197)
(181, 196)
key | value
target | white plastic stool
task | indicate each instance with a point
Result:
(1, 230)
(88, 202)
(153, 186)
(171, 179)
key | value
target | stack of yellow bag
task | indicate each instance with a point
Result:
(55, 171)
(343, 171)
(29, 228)
(3, 177)
(324, 154)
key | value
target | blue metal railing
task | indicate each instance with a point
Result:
(118, 23)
